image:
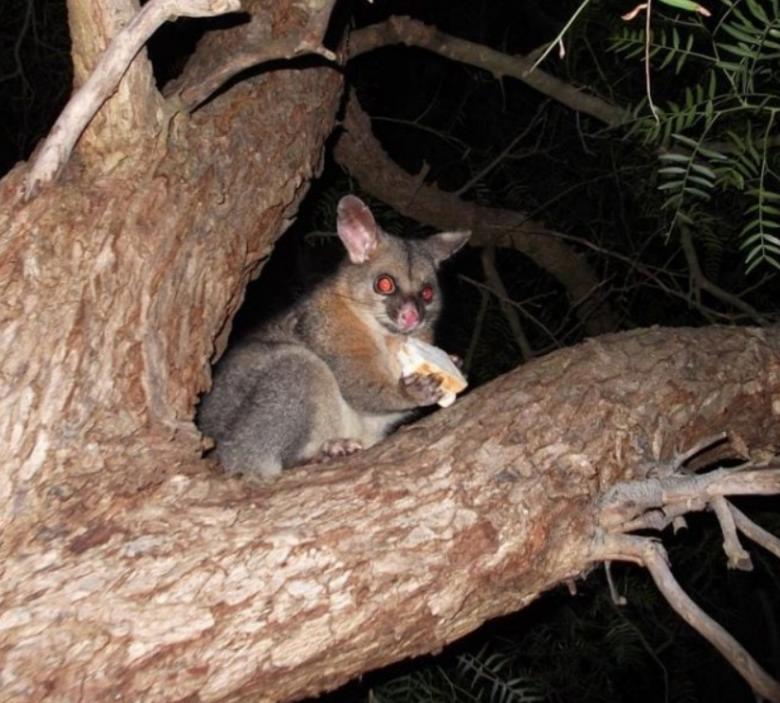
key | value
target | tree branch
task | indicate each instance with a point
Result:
(404, 30)
(628, 501)
(758, 534)
(267, 35)
(652, 556)
(203, 587)
(655, 502)
(86, 101)
(738, 558)
(702, 282)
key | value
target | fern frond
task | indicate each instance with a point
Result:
(749, 39)
(493, 673)
(761, 234)
(668, 46)
(697, 107)
(688, 176)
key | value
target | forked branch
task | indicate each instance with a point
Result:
(654, 504)
(651, 555)
(102, 83)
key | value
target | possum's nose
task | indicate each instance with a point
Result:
(408, 317)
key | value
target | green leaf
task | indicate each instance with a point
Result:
(687, 5)
(739, 34)
(706, 183)
(671, 156)
(758, 11)
(697, 191)
(739, 50)
(704, 170)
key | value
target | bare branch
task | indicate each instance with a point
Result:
(617, 598)
(631, 500)
(113, 64)
(738, 558)
(652, 556)
(702, 282)
(404, 30)
(705, 443)
(758, 534)
(196, 94)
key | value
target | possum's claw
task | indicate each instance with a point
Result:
(424, 390)
(334, 448)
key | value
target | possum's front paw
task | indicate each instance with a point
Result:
(335, 448)
(424, 390)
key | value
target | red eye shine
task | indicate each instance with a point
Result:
(384, 284)
(427, 294)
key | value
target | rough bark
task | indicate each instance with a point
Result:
(135, 112)
(138, 109)
(213, 589)
(268, 31)
(117, 285)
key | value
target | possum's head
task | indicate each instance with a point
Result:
(392, 279)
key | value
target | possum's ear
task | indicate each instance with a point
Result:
(443, 245)
(357, 228)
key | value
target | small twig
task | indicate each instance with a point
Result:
(559, 38)
(700, 446)
(702, 282)
(466, 187)
(522, 308)
(652, 273)
(738, 558)
(494, 279)
(105, 77)
(755, 532)
(477, 332)
(648, 82)
(416, 124)
(617, 599)
(652, 556)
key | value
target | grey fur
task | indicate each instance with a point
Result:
(325, 376)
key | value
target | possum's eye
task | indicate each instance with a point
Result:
(427, 294)
(384, 284)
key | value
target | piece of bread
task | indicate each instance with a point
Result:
(427, 360)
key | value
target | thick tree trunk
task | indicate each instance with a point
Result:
(208, 588)
(115, 282)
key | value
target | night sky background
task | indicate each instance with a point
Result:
(595, 185)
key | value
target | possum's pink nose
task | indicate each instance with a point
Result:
(408, 317)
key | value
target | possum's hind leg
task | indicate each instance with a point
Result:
(274, 406)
